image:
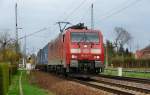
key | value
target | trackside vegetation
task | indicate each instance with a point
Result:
(4, 78)
(118, 56)
(130, 62)
(27, 87)
(14, 87)
(31, 89)
(6, 73)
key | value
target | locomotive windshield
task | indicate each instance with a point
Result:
(84, 37)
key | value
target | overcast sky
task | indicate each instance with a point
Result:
(34, 15)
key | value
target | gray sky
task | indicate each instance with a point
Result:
(34, 15)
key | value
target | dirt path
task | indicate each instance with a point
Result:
(61, 86)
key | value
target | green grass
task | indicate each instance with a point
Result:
(28, 89)
(14, 87)
(4, 78)
(127, 74)
(136, 75)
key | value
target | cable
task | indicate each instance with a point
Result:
(120, 10)
(39, 36)
(73, 11)
(31, 34)
(116, 7)
(86, 11)
(84, 14)
(70, 5)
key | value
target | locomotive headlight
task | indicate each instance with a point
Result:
(97, 57)
(73, 56)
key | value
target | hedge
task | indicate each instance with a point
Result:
(6, 72)
(12, 70)
(4, 78)
(130, 63)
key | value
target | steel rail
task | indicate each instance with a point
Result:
(134, 88)
(129, 79)
(103, 87)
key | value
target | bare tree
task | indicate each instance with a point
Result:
(4, 39)
(7, 45)
(122, 37)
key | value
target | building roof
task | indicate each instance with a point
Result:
(146, 48)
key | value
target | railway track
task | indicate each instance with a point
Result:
(104, 87)
(127, 87)
(115, 87)
(137, 80)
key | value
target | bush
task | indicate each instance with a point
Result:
(4, 78)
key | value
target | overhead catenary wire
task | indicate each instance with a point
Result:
(31, 34)
(64, 13)
(120, 10)
(87, 10)
(116, 7)
(74, 10)
(69, 14)
(84, 14)
(113, 11)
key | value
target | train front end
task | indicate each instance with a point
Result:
(86, 52)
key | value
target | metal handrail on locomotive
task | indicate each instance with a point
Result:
(76, 50)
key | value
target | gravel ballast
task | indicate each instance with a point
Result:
(61, 86)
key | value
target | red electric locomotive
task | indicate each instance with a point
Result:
(77, 50)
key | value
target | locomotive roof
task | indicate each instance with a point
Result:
(82, 30)
(78, 26)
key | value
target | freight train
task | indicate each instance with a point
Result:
(76, 50)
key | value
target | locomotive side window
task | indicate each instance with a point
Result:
(84, 36)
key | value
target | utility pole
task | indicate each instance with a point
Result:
(92, 16)
(106, 65)
(16, 17)
(25, 58)
(17, 28)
